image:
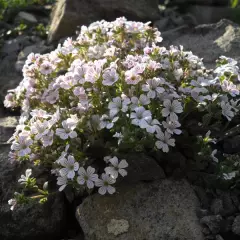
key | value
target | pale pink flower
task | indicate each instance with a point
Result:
(116, 168)
(105, 183)
(171, 108)
(46, 68)
(139, 117)
(87, 177)
(164, 141)
(110, 76)
(132, 77)
(70, 167)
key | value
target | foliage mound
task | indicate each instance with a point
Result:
(113, 90)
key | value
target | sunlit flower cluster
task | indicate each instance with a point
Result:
(117, 85)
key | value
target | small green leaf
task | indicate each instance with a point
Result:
(234, 3)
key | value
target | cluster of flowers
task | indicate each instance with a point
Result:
(116, 84)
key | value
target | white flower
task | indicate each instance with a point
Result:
(24, 178)
(40, 129)
(117, 105)
(22, 145)
(62, 181)
(107, 121)
(105, 183)
(110, 76)
(227, 110)
(70, 167)
(46, 68)
(87, 177)
(142, 100)
(132, 77)
(178, 73)
(153, 125)
(171, 126)
(139, 117)
(107, 158)
(152, 87)
(119, 136)
(81, 94)
(68, 126)
(117, 168)
(12, 202)
(164, 141)
(79, 74)
(47, 140)
(213, 155)
(110, 52)
(230, 88)
(171, 108)
(229, 176)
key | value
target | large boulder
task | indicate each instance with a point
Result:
(163, 210)
(68, 14)
(31, 221)
(208, 41)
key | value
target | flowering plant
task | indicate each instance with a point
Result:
(116, 89)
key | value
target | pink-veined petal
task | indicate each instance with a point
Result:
(102, 190)
(111, 189)
(123, 164)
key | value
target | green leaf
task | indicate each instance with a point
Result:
(234, 3)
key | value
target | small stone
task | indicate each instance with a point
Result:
(228, 205)
(206, 231)
(10, 46)
(213, 222)
(217, 206)
(202, 213)
(28, 17)
(117, 227)
(236, 225)
(219, 237)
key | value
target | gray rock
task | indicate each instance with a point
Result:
(32, 221)
(213, 222)
(26, 17)
(219, 237)
(202, 212)
(209, 14)
(9, 78)
(160, 210)
(202, 2)
(162, 24)
(209, 41)
(7, 127)
(68, 14)
(236, 225)
(217, 206)
(141, 168)
(10, 46)
(232, 145)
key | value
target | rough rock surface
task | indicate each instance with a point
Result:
(142, 168)
(7, 127)
(236, 225)
(26, 222)
(69, 14)
(159, 210)
(209, 41)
